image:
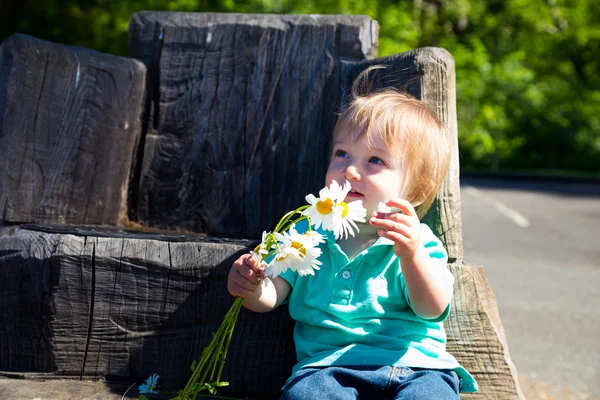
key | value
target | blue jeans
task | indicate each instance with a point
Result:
(371, 382)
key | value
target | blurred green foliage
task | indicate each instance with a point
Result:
(528, 84)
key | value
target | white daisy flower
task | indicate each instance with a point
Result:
(282, 259)
(315, 237)
(333, 213)
(347, 214)
(321, 209)
(297, 252)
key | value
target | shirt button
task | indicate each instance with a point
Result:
(346, 274)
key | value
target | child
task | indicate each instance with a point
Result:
(369, 322)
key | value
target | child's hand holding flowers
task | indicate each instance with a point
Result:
(245, 275)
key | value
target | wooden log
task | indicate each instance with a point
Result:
(130, 305)
(70, 119)
(241, 114)
(476, 336)
(78, 302)
(427, 74)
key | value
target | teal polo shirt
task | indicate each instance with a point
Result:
(357, 312)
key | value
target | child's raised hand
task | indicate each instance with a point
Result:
(403, 228)
(245, 275)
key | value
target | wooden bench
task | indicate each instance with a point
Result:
(128, 188)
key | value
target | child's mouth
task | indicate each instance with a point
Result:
(353, 194)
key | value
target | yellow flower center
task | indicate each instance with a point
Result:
(325, 207)
(301, 249)
(344, 208)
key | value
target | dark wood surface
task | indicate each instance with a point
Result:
(241, 114)
(70, 119)
(90, 306)
(82, 305)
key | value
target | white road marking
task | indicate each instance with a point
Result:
(502, 208)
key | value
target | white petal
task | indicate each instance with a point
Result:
(283, 239)
(311, 199)
(344, 191)
(323, 193)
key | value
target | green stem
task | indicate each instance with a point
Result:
(287, 216)
(237, 304)
(283, 220)
(289, 225)
(214, 355)
(209, 354)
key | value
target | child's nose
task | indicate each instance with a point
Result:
(351, 174)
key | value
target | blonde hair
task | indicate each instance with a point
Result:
(415, 134)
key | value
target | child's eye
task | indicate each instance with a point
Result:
(341, 153)
(376, 160)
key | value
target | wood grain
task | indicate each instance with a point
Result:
(241, 117)
(91, 306)
(70, 119)
(121, 305)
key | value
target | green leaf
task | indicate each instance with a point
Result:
(194, 364)
(142, 397)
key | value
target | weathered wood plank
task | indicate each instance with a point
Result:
(427, 74)
(29, 386)
(125, 305)
(70, 119)
(128, 307)
(242, 114)
(476, 336)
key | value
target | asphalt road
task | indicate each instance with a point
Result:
(539, 242)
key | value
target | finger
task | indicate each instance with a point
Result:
(255, 263)
(397, 217)
(236, 284)
(262, 273)
(245, 284)
(391, 225)
(240, 291)
(248, 283)
(395, 237)
(248, 272)
(404, 205)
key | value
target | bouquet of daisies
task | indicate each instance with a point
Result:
(285, 248)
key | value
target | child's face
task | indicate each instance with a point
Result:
(373, 171)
